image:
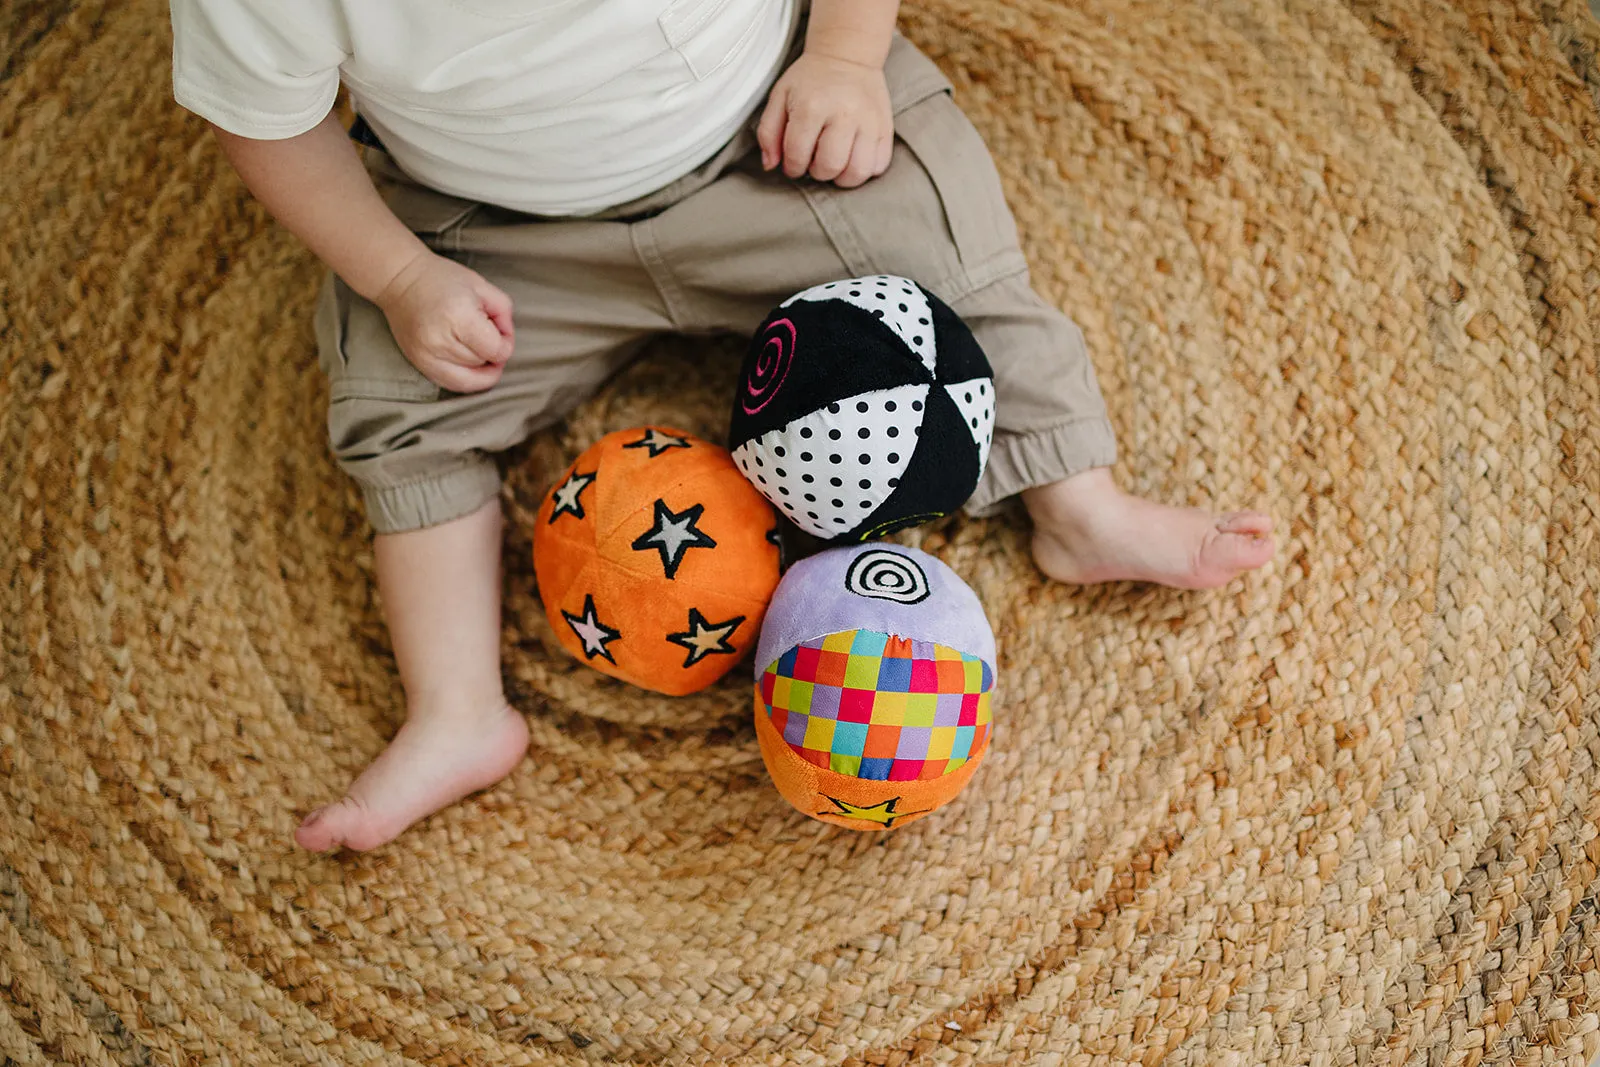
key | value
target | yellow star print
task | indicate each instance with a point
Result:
(879, 813)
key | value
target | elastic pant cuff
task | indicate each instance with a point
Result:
(432, 501)
(1021, 461)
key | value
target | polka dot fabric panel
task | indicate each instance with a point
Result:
(864, 406)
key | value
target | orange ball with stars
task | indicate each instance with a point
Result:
(656, 559)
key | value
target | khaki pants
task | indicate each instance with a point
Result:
(713, 252)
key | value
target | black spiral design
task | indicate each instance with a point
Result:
(884, 575)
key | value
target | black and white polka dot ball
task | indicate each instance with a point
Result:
(864, 406)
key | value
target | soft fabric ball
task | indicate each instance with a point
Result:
(874, 680)
(863, 407)
(656, 559)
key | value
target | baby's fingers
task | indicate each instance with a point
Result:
(863, 164)
(497, 306)
(454, 374)
(833, 151)
(480, 336)
(769, 134)
(800, 134)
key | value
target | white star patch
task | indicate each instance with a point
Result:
(673, 534)
(658, 442)
(592, 632)
(568, 493)
(704, 639)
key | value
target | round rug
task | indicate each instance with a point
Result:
(1337, 261)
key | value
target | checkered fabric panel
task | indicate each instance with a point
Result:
(876, 706)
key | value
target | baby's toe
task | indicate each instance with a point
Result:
(1248, 523)
(314, 832)
(1230, 554)
(345, 824)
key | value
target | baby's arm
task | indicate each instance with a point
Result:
(452, 324)
(829, 115)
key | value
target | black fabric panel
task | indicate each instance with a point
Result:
(839, 351)
(941, 477)
(960, 357)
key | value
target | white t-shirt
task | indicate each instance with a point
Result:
(553, 107)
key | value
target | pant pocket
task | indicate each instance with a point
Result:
(938, 215)
(358, 353)
(977, 218)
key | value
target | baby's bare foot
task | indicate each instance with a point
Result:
(437, 758)
(1088, 530)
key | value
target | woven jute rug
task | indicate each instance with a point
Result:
(1337, 260)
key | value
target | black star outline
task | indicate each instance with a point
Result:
(880, 813)
(656, 538)
(604, 634)
(574, 506)
(653, 439)
(700, 628)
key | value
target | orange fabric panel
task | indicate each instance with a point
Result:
(654, 561)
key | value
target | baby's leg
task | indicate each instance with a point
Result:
(441, 597)
(1054, 446)
(424, 460)
(939, 216)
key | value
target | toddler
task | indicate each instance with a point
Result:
(548, 183)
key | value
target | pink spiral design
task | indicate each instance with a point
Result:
(771, 367)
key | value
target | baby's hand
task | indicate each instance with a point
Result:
(829, 118)
(452, 325)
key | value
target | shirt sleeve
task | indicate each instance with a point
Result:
(267, 69)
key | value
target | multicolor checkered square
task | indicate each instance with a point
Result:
(876, 706)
